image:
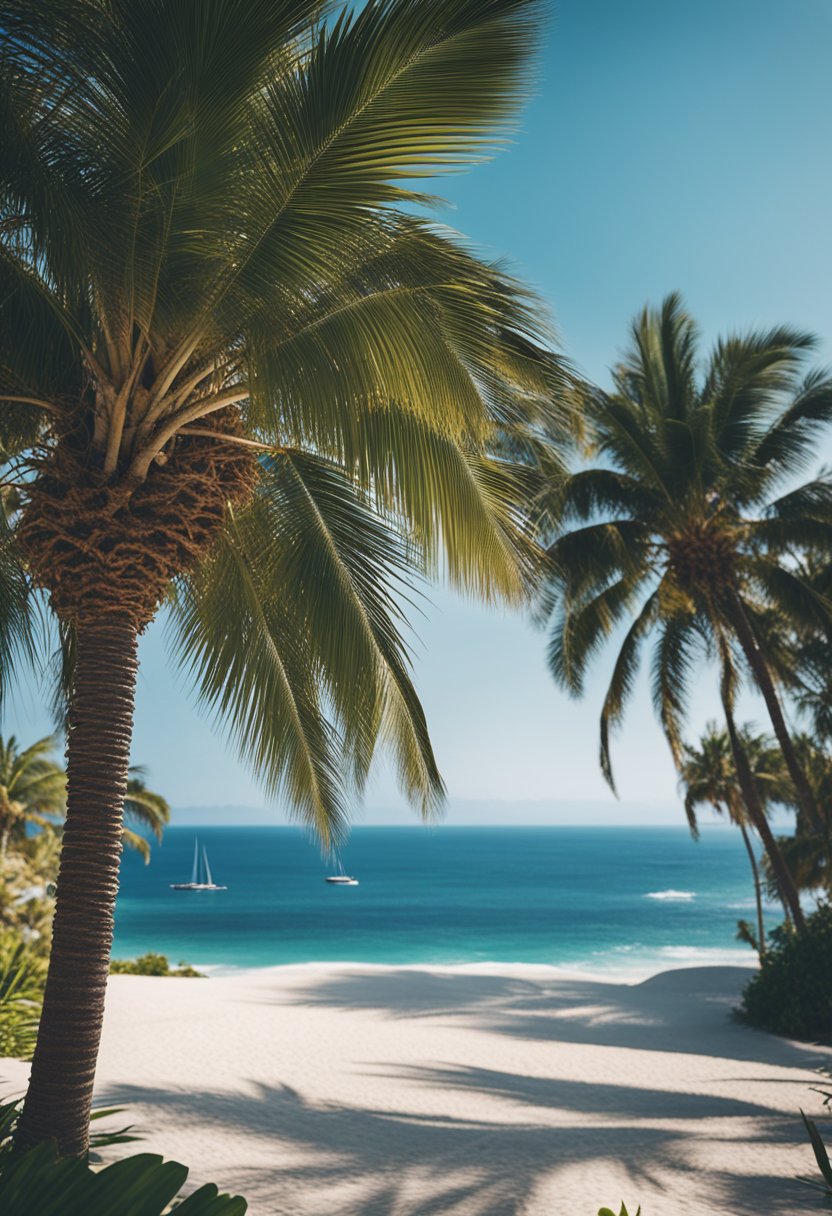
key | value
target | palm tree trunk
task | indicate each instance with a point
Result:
(59, 1098)
(761, 931)
(762, 676)
(758, 818)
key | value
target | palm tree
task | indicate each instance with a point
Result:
(807, 850)
(32, 789)
(803, 662)
(145, 810)
(33, 793)
(708, 776)
(250, 379)
(684, 531)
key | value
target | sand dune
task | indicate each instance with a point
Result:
(346, 1090)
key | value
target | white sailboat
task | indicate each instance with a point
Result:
(341, 879)
(196, 884)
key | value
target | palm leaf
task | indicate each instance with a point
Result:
(251, 667)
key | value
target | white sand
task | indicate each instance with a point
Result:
(358, 1091)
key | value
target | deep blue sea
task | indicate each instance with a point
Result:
(598, 899)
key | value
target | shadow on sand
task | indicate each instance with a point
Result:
(408, 1163)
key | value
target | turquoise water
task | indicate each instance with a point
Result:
(598, 898)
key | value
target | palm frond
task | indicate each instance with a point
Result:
(623, 679)
(579, 631)
(252, 670)
(145, 808)
(346, 577)
(672, 668)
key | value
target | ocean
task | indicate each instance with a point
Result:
(598, 900)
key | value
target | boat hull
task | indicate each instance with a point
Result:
(342, 882)
(196, 886)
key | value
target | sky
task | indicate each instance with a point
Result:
(668, 146)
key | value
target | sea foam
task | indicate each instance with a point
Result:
(671, 894)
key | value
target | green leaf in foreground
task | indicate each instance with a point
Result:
(821, 1156)
(142, 1185)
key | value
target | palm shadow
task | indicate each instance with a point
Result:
(415, 1164)
(402, 1160)
(689, 1011)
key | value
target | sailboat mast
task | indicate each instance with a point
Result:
(208, 877)
(195, 872)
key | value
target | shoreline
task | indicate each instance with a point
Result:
(635, 973)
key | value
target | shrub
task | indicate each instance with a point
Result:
(143, 1185)
(791, 994)
(152, 964)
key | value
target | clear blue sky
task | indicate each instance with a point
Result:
(670, 146)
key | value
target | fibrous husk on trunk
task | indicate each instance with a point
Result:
(101, 548)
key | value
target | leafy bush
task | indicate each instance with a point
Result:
(152, 964)
(623, 1212)
(791, 994)
(22, 975)
(143, 1185)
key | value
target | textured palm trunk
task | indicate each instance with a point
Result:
(59, 1098)
(758, 818)
(758, 895)
(762, 676)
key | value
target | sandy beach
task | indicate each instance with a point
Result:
(339, 1090)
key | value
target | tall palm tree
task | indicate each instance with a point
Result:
(685, 531)
(250, 380)
(708, 776)
(32, 789)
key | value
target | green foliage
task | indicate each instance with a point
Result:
(103, 1139)
(26, 872)
(808, 852)
(822, 1158)
(623, 1212)
(708, 775)
(818, 1146)
(681, 537)
(142, 1185)
(249, 242)
(33, 795)
(32, 789)
(153, 964)
(22, 975)
(745, 933)
(145, 810)
(10, 1112)
(791, 994)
